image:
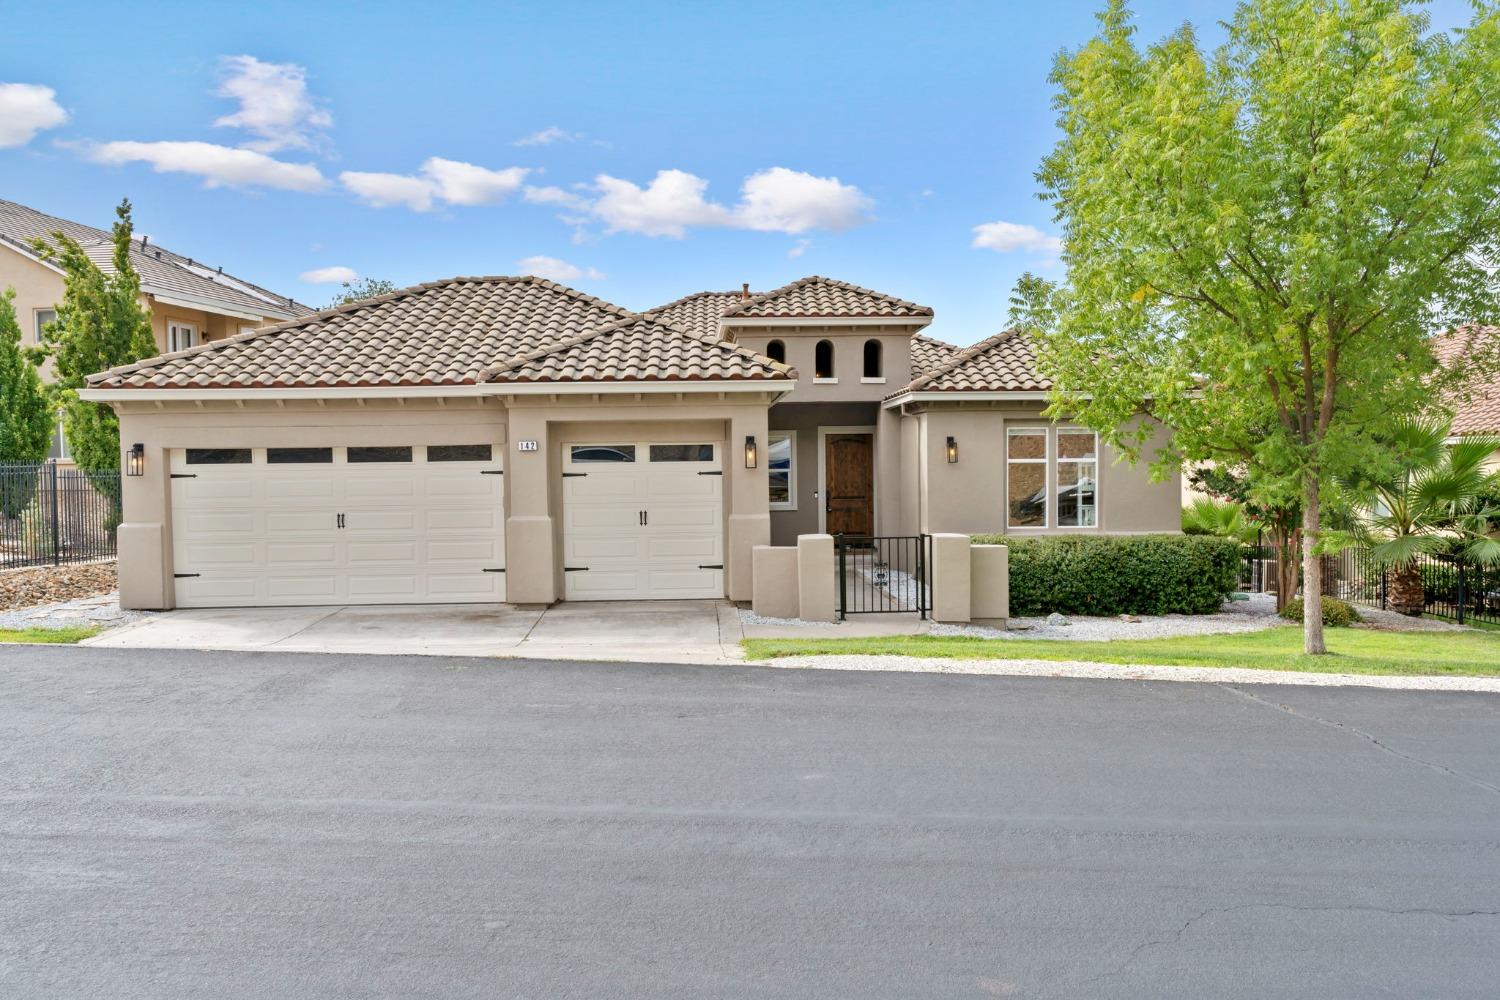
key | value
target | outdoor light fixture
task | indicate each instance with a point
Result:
(952, 450)
(135, 460)
(749, 451)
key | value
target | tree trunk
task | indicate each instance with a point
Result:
(1405, 594)
(1288, 552)
(1312, 571)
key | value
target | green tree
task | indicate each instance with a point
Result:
(100, 324)
(362, 288)
(1281, 522)
(1259, 240)
(1437, 500)
(25, 414)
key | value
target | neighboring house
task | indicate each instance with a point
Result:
(486, 439)
(190, 302)
(1476, 409)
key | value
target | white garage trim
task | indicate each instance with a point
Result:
(643, 520)
(334, 531)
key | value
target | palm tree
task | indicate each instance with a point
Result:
(1437, 501)
(1223, 518)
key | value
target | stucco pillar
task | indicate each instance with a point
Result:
(888, 473)
(530, 557)
(951, 593)
(989, 583)
(144, 538)
(775, 591)
(816, 579)
(749, 500)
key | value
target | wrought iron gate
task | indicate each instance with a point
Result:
(890, 574)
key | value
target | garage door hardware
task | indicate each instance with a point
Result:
(713, 566)
(184, 576)
(341, 520)
(573, 475)
(716, 472)
(184, 475)
(643, 517)
(575, 569)
(500, 570)
(492, 472)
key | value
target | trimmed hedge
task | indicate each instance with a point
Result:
(1336, 613)
(1119, 575)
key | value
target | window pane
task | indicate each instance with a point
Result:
(776, 351)
(218, 456)
(1028, 443)
(43, 317)
(299, 456)
(872, 359)
(1077, 494)
(682, 453)
(391, 453)
(1075, 444)
(1027, 494)
(823, 359)
(459, 453)
(781, 486)
(779, 452)
(779, 462)
(603, 452)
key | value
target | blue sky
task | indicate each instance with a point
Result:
(672, 147)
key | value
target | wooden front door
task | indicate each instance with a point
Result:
(849, 494)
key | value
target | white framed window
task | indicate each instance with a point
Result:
(1077, 495)
(181, 336)
(781, 467)
(1026, 477)
(43, 317)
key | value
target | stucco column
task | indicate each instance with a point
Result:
(144, 538)
(817, 594)
(951, 594)
(530, 558)
(989, 583)
(749, 499)
(888, 472)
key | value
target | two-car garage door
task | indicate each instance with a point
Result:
(336, 525)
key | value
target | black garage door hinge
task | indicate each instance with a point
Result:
(574, 569)
(714, 566)
(183, 576)
(716, 472)
(184, 475)
(492, 472)
(573, 475)
(488, 570)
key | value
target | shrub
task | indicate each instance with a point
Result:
(1336, 613)
(1116, 575)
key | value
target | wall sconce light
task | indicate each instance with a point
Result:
(749, 451)
(952, 450)
(135, 460)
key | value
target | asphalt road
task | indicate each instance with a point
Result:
(283, 825)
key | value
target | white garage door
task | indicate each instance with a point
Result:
(643, 521)
(291, 526)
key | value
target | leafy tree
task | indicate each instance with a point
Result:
(100, 324)
(362, 288)
(1281, 522)
(1437, 500)
(25, 415)
(1259, 240)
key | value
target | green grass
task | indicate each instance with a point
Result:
(1351, 651)
(75, 633)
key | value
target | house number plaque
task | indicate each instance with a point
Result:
(526, 446)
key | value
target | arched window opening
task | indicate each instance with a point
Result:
(776, 351)
(823, 359)
(872, 359)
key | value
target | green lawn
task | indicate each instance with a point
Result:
(1351, 651)
(76, 633)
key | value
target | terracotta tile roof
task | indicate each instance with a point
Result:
(455, 332)
(700, 312)
(928, 353)
(816, 297)
(639, 349)
(1005, 362)
(162, 272)
(1476, 409)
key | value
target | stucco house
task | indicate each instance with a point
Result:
(511, 439)
(1476, 407)
(190, 302)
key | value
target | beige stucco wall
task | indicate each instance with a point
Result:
(969, 496)
(848, 359)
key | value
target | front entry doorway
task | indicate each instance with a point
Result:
(848, 482)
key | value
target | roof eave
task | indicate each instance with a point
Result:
(826, 321)
(197, 394)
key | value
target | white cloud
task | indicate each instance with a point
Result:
(274, 104)
(548, 136)
(779, 200)
(554, 269)
(450, 181)
(219, 166)
(801, 247)
(25, 110)
(1006, 237)
(775, 200)
(329, 275)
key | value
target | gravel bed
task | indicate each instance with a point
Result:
(101, 609)
(24, 588)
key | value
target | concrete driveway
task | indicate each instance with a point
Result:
(646, 631)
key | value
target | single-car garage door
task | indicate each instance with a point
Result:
(643, 521)
(335, 525)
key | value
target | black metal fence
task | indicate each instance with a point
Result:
(52, 514)
(890, 574)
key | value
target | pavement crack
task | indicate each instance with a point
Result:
(1368, 737)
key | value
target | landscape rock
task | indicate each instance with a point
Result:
(1056, 619)
(24, 588)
